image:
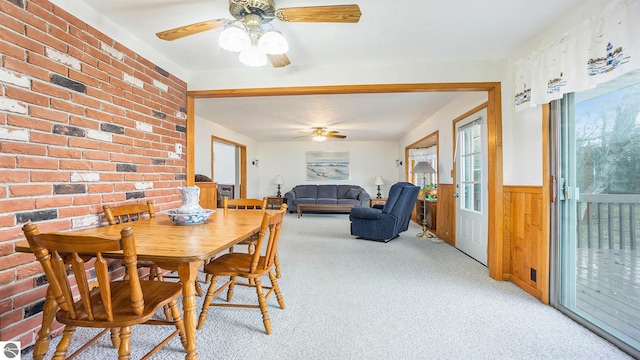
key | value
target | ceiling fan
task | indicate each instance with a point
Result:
(253, 36)
(320, 134)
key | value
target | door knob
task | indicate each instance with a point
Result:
(456, 195)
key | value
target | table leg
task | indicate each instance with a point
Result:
(48, 312)
(188, 273)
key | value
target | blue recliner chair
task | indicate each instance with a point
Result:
(387, 223)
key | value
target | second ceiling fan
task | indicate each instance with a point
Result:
(321, 134)
(252, 35)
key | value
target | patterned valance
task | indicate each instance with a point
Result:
(600, 49)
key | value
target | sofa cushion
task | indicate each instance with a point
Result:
(306, 191)
(327, 191)
(353, 193)
(330, 201)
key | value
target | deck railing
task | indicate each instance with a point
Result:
(608, 221)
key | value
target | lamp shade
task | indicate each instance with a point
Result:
(273, 43)
(423, 167)
(235, 39)
(378, 181)
(278, 180)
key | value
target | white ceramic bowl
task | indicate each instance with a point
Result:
(189, 219)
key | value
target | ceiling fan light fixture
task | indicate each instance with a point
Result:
(234, 38)
(272, 42)
(319, 138)
(253, 57)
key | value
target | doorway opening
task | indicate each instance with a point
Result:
(496, 244)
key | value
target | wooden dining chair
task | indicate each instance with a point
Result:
(109, 305)
(245, 204)
(133, 212)
(251, 267)
(249, 204)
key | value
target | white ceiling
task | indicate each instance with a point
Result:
(412, 30)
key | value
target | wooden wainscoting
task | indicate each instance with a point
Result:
(525, 245)
(446, 221)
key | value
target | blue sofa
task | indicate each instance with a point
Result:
(387, 223)
(326, 194)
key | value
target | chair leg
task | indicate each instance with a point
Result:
(157, 273)
(276, 289)
(63, 345)
(125, 343)
(207, 302)
(177, 320)
(230, 290)
(115, 338)
(263, 307)
(276, 261)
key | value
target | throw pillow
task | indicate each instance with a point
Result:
(353, 193)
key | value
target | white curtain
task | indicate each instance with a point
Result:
(429, 155)
(597, 51)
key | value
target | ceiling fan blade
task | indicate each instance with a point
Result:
(279, 60)
(331, 13)
(192, 29)
(337, 136)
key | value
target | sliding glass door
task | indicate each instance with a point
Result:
(596, 166)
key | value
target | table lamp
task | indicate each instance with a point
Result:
(378, 182)
(278, 181)
(424, 168)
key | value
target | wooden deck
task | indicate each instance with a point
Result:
(608, 288)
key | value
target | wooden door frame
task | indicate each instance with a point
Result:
(495, 261)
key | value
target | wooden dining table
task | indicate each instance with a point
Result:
(175, 247)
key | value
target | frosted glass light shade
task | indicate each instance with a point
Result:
(253, 57)
(273, 43)
(319, 138)
(234, 39)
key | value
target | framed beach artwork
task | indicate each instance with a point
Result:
(327, 165)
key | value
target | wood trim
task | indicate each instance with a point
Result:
(496, 222)
(494, 120)
(544, 250)
(524, 238)
(345, 89)
(191, 151)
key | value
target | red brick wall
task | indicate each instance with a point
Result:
(84, 121)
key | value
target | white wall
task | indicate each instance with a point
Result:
(204, 129)
(366, 160)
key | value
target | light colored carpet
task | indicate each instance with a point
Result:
(356, 299)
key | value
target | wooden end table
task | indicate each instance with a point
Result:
(378, 201)
(274, 202)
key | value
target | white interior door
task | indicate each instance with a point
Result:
(472, 186)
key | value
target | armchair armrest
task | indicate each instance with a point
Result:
(362, 212)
